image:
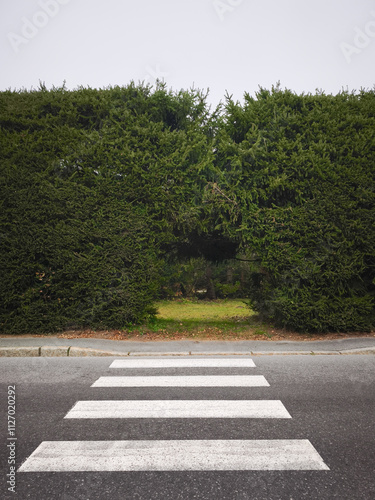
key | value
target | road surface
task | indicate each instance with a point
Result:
(261, 427)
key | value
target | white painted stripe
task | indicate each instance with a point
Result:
(183, 363)
(179, 409)
(184, 381)
(85, 456)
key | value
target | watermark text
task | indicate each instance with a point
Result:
(30, 27)
(362, 38)
(224, 7)
(11, 440)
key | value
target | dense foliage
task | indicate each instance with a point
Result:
(102, 190)
(300, 171)
(94, 183)
(200, 278)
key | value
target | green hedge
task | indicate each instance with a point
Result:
(94, 183)
(72, 256)
(98, 187)
(300, 170)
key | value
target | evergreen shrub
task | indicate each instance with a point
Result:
(100, 187)
(300, 171)
(93, 183)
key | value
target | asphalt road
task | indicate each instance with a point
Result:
(330, 399)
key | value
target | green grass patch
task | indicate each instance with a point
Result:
(206, 320)
(208, 311)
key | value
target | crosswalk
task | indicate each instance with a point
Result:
(183, 381)
(179, 409)
(177, 455)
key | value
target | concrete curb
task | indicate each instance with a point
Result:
(52, 351)
(367, 350)
(87, 351)
(287, 353)
(72, 351)
(20, 351)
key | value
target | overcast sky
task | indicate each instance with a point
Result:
(233, 45)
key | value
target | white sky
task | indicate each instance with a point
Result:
(234, 45)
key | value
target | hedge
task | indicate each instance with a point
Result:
(300, 170)
(100, 186)
(94, 183)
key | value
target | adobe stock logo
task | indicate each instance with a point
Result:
(40, 19)
(224, 7)
(154, 74)
(361, 40)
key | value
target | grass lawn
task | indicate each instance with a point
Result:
(208, 311)
(206, 320)
(183, 319)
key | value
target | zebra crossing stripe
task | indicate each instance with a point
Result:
(184, 381)
(185, 455)
(183, 363)
(179, 409)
